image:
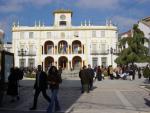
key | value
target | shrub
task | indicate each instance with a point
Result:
(146, 72)
(30, 75)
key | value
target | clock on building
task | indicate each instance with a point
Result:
(63, 17)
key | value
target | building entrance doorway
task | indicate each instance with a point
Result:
(63, 61)
(48, 61)
(94, 62)
(77, 63)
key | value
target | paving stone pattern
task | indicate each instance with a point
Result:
(108, 96)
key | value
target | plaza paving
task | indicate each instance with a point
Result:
(108, 96)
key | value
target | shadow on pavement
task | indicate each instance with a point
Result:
(146, 81)
(69, 93)
(147, 102)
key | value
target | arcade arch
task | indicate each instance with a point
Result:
(76, 47)
(48, 61)
(63, 47)
(48, 47)
(77, 63)
(63, 62)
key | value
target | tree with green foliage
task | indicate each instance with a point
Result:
(135, 51)
(146, 72)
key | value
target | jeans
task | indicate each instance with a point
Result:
(54, 104)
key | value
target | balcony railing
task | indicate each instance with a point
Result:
(99, 52)
(27, 54)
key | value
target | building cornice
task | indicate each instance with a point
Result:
(63, 11)
(21, 28)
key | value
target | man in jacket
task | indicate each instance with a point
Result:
(41, 84)
(84, 80)
(90, 73)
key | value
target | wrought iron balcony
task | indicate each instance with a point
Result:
(99, 53)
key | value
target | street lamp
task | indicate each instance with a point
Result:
(22, 53)
(112, 51)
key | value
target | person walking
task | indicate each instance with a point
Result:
(41, 84)
(54, 79)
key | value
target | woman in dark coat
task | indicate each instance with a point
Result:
(54, 79)
(12, 85)
(99, 74)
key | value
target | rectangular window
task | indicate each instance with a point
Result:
(49, 49)
(94, 61)
(93, 33)
(94, 48)
(21, 46)
(103, 48)
(102, 33)
(30, 34)
(22, 62)
(104, 61)
(22, 35)
(76, 49)
(31, 62)
(62, 23)
(31, 50)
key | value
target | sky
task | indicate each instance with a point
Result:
(123, 13)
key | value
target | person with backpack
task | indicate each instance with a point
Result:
(54, 79)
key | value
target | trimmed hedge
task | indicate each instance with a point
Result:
(30, 75)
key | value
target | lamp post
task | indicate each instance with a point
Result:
(111, 51)
(22, 53)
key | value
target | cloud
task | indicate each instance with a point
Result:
(6, 25)
(101, 4)
(124, 23)
(143, 1)
(17, 5)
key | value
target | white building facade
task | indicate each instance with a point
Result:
(63, 44)
(144, 25)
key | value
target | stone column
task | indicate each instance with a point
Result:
(83, 63)
(53, 50)
(56, 64)
(56, 50)
(68, 65)
(71, 64)
(70, 49)
(82, 49)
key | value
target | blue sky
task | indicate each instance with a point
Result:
(123, 13)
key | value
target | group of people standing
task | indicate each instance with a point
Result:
(86, 75)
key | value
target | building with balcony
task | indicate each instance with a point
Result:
(63, 44)
(144, 25)
(1, 39)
